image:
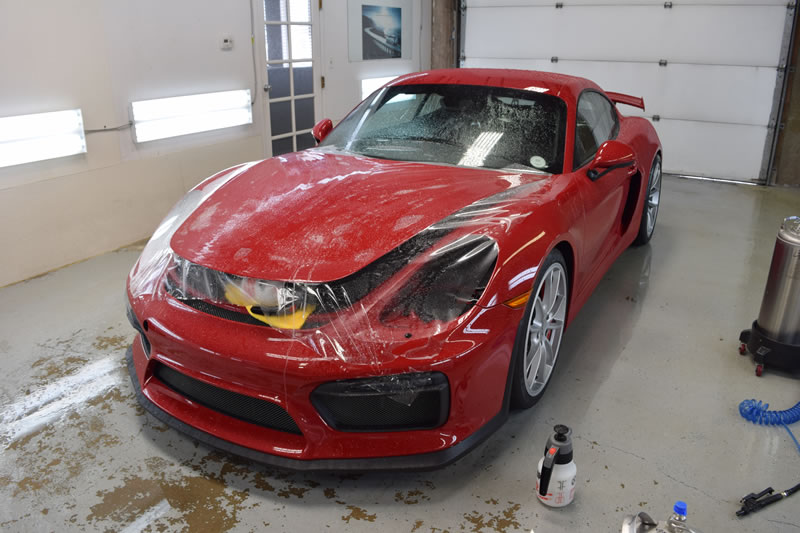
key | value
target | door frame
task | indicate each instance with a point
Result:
(259, 27)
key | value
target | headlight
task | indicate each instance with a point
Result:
(157, 255)
(448, 284)
(187, 280)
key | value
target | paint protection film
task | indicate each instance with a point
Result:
(403, 305)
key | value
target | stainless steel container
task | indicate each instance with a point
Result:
(780, 308)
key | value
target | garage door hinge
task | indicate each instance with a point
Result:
(667, 5)
(780, 68)
(554, 59)
(662, 62)
(656, 118)
(791, 5)
(559, 5)
(322, 82)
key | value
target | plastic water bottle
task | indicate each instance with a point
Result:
(642, 523)
(677, 522)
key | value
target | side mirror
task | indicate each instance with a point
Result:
(611, 156)
(321, 129)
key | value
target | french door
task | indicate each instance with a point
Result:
(291, 85)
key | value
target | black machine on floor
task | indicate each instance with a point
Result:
(774, 338)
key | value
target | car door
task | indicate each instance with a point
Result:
(603, 199)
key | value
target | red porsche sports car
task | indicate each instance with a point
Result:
(382, 300)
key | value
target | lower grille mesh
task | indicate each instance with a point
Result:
(246, 408)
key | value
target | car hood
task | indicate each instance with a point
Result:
(318, 216)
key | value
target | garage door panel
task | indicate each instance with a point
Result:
(707, 93)
(579, 3)
(713, 150)
(742, 35)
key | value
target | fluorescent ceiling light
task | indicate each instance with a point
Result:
(370, 85)
(27, 138)
(182, 115)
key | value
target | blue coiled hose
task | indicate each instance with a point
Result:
(758, 413)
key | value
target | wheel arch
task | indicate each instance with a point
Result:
(567, 251)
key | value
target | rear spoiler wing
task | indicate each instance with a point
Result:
(619, 98)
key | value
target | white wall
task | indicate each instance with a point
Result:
(99, 56)
(343, 78)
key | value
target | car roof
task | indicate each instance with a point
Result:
(562, 85)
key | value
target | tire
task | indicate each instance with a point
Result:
(538, 342)
(652, 201)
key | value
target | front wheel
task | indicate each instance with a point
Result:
(652, 201)
(540, 332)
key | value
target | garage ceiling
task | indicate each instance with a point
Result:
(713, 97)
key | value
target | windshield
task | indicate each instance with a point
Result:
(466, 125)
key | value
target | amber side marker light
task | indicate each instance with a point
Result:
(518, 301)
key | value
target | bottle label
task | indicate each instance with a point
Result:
(561, 492)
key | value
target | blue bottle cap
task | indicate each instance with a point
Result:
(680, 508)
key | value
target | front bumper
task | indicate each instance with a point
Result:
(257, 362)
(417, 462)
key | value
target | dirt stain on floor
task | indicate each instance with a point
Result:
(50, 462)
(202, 503)
(357, 513)
(111, 342)
(410, 497)
(499, 522)
(53, 367)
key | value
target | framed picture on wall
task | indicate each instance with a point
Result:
(379, 29)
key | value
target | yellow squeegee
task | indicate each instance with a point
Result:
(295, 320)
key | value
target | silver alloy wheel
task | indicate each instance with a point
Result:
(545, 328)
(653, 196)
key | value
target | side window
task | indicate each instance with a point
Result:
(596, 123)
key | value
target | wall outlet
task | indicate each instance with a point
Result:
(226, 42)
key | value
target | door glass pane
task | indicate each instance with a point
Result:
(290, 74)
(280, 118)
(282, 146)
(301, 42)
(300, 10)
(303, 80)
(275, 10)
(305, 140)
(304, 113)
(278, 78)
(277, 40)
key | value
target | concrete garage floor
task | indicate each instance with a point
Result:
(649, 377)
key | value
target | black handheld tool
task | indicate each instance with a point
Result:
(755, 502)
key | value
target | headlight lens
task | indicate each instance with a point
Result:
(448, 284)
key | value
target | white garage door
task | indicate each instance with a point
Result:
(707, 70)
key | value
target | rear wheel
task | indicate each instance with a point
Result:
(540, 331)
(652, 201)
